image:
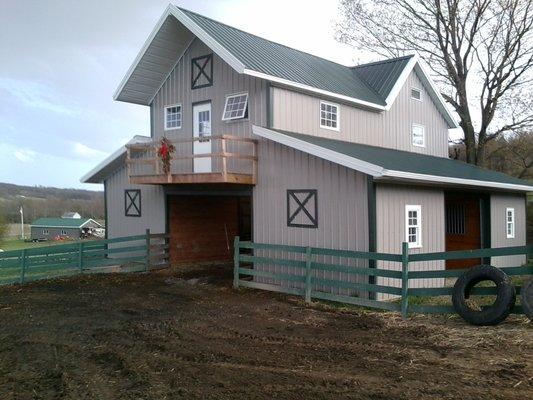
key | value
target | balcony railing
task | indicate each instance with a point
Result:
(208, 159)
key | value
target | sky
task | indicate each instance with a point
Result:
(61, 61)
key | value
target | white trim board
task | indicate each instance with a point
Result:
(378, 172)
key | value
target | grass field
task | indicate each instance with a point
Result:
(14, 243)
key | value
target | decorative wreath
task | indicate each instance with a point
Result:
(165, 150)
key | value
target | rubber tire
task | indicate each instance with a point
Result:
(491, 315)
(526, 295)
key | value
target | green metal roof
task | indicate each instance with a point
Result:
(275, 59)
(60, 222)
(397, 160)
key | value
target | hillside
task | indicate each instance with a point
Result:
(41, 201)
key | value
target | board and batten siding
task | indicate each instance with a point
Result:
(153, 215)
(298, 112)
(391, 229)
(498, 207)
(342, 206)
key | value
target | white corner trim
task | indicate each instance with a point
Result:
(400, 82)
(457, 181)
(318, 151)
(312, 89)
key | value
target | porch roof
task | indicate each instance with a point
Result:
(396, 165)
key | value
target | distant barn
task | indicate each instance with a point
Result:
(71, 227)
(71, 214)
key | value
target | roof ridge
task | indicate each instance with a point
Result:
(385, 61)
(263, 38)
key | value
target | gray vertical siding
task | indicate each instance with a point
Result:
(298, 112)
(390, 225)
(153, 215)
(342, 203)
(498, 206)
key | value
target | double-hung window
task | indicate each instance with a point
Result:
(173, 117)
(63, 232)
(510, 223)
(45, 231)
(418, 135)
(413, 226)
(329, 116)
(236, 107)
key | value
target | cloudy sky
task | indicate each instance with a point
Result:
(61, 61)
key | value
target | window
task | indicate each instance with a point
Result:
(236, 107)
(202, 71)
(63, 232)
(419, 135)
(173, 117)
(329, 116)
(510, 223)
(45, 231)
(416, 94)
(302, 208)
(132, 202)
(413, 226)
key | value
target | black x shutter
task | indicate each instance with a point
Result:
(202, 71)
(302, 208)
(132, 202)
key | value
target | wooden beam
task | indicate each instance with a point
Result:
(213, 177)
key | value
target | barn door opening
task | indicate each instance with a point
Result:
(463, 226)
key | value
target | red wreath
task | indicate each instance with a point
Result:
(166, 148)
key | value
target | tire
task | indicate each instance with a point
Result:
(490, 315)
(527, 298)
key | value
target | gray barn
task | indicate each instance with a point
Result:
(283, 147)
(51, 228)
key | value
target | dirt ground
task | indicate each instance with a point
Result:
(160, 336)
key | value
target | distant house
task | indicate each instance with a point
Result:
(71, 214)
(50, 228)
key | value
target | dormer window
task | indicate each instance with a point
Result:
(236, 107)
(329, 116)
(418, 135)
(416, 94)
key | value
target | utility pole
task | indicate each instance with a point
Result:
(22, 223)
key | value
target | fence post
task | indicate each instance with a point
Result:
(308, 275)
(23, 261)
(80, 257)
(236, 262)
(147, 266)
(405, 279)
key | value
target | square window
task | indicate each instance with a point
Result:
(236, 107)
(329, 116)
(173, 117)
(418, 135)
(132, 202)
(416, 94)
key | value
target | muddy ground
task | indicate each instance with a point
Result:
(158, 336)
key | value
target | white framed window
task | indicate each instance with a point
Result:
(416, 94)
(236, 107)
(173, 117)
(63, 232)
(45, 231)
(510, 223)
(413, 226)
(418, 135)
(329, 115)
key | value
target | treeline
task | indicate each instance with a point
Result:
(41, 201)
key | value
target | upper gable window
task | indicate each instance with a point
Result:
(202, 71)
(173, 117)
(418, 134)
(416, 94)
(329, 116)
(236, 107)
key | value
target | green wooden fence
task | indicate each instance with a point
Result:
(123, 254)
(303, 270)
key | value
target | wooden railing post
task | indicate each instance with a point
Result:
(23, 262)
(80, 257)
(224, 159)
(405, 279)
(236, 262)
(254, 162)
(147, 266)
(308, 261)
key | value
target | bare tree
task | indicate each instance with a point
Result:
(479, 51)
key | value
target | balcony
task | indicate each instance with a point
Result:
(207, 159)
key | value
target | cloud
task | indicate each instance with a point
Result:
(36, 95)
(25, 155)
(87, 152)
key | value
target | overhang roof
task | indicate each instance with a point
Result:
(396, 165)
(62, 222)
(374, 86)
(99, 173)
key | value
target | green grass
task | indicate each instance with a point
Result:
(13, 243)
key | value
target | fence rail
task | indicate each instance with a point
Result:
(123, 254)
(301, 277)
